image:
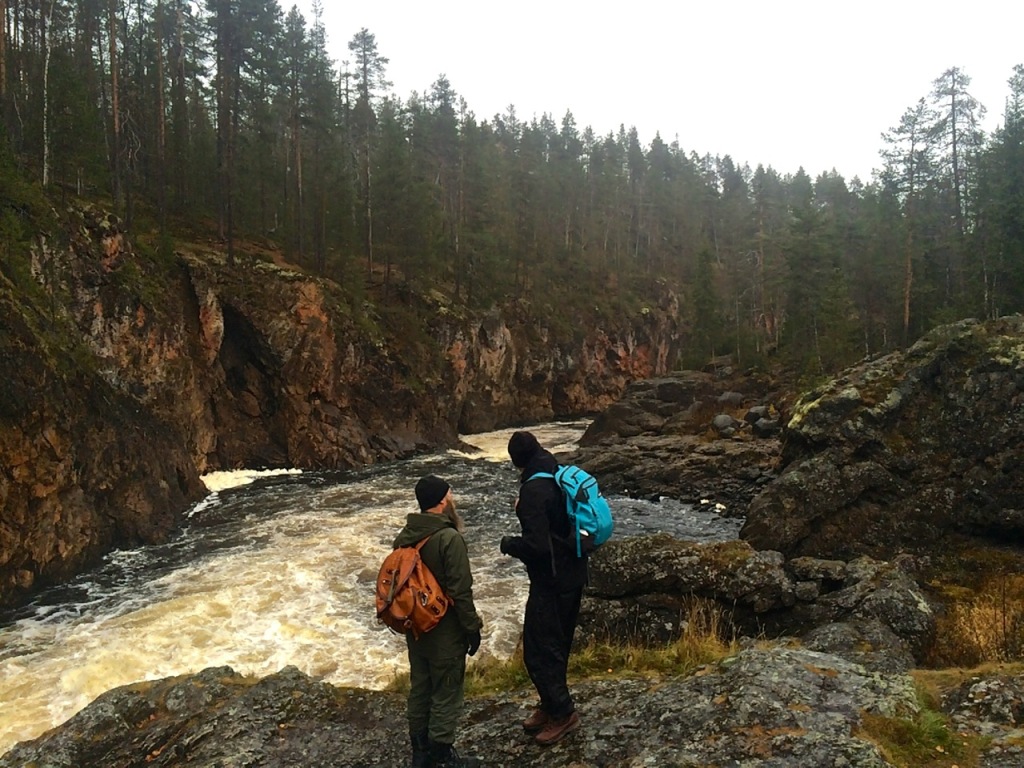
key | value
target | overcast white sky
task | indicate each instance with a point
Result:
(786, 83)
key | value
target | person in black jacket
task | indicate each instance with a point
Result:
(557, 577)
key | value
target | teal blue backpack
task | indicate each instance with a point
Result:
(589, 513)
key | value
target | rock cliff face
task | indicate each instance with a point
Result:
(903, 451)
(81, 465)
(131, 375)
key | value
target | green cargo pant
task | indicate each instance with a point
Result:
(435, 695)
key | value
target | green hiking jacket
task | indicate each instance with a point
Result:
(448, 559)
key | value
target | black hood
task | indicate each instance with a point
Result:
(541, 461)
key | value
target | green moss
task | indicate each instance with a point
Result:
(1007, 351)
(729, 554)
(807, 403)
(925, 740)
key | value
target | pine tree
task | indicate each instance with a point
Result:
(369, 81)
(706, 320)
(999, 239)
(958, 138)
(568, 178)
(486, 280)
(228, 46)
(260, 157)
(908, 171)
(439, 137)
(323, 113)
(809, 273)
(397, 224)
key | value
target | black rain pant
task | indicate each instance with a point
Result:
(548, 628)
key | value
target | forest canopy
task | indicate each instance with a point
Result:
(229, 116)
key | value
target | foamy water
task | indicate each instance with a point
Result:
(277, 569)
(220, 481)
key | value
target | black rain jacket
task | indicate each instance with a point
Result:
(547, 546)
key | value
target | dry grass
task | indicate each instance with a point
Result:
(934, 684)
(922, 742)
(986, 625)
(706, 638)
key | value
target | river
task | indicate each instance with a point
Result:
(278, 568)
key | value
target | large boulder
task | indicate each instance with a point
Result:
(871, 595)
(645, 588)
(647, 404)
(902, 450)
(993, 706)
(690, 468)
(685, 435)
(660, 574)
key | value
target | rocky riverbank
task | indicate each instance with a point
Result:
(825, 692)
(914, 451)
(784, 707)
(695, 436)
(917, 451)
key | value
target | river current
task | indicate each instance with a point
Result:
(277, 568)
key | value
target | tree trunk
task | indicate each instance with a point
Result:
(46, 94)
(179, 110)
(368, 207)
(297, 136)
(225, 91)
(161, 125)
(115, 104)
(908, 282)
(3, 54)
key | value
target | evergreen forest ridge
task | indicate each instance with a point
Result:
(231, 117)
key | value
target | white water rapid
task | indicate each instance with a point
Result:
(275, 569)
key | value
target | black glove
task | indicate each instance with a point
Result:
(473, 644)
(505, 545)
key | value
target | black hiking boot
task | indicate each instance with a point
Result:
(420, 750)
(446, 756)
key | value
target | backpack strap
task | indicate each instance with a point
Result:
(568, 506)
(418, 545)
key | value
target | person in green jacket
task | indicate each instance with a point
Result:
(437, 659)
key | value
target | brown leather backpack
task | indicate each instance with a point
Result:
(409, 599)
